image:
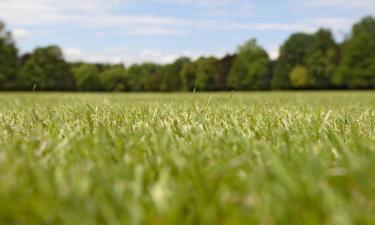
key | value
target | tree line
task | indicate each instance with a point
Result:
(306, 61)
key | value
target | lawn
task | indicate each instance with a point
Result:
(268, 158)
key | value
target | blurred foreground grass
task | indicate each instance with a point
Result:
(209, 159)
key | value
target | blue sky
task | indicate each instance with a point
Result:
(133, 31)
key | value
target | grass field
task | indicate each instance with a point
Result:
(202, 159)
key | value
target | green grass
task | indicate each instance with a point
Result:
(202, 159)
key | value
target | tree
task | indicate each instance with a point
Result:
(188, 76)
(207, 74)
(292, 53)
(250, 68)
(8, 59)
(300, 78)
(114, 79)
(225, 65)
(144, 77)
(151, 76)
(171, 80)
(87, 77)
(134, 78)
(357, 66)
(46, 69)
(322, 59)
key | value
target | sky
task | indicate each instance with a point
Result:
(135, 31)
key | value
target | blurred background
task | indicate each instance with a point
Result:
(182, 45)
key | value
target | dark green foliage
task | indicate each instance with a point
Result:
(46, 69)
(87, 77)
(317, 53)
(8, 59)
(135, 80)
(207, 74)
(322, 59)
(188, 77)
(144, 77)
(225, 65)
(171, 80)
(300, 77)
(292, 53)
(357, 67)
(250, 68)
(114, 79)
(152, 76)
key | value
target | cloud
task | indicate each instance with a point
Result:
(156, 31)
(337, 24)
(119, 55)
(340, 26)
(362, 6)
(111, 55)
(128, 57)
(300, 26)
(104, 14)
(273, 50)
(20, 34)
(93, 13)
(162, 57)
(208, 3)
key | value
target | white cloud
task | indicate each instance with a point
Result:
(93, 13)
(209, 3)
(158, 56)
(156, 31)
(273, 50)
(274, 54)
(103, 14)
(247, 8)
(333, 22)
(350, 4)
(154, 56)
(303, 26)
(19, 34)
(128, 57)
(300, 26)
(119, 55)
(241, 9)
(89, 13)
(339, 26)
(358, 8)
(73, 53)
(112, 55)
